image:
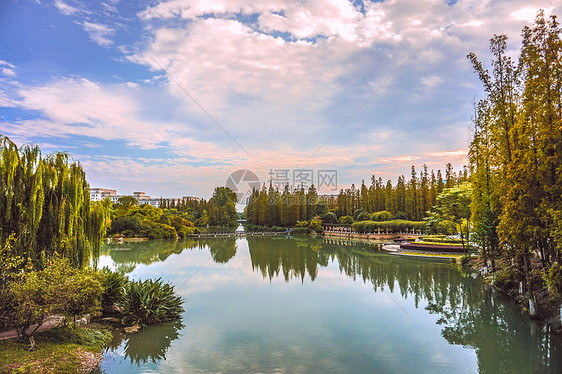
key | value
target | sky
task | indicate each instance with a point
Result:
(171, 97)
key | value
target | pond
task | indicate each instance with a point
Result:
(320, 305)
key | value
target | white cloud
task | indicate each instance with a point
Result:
(9, 72)
(67, 9)
(529, 13)
(99, 33)
(431, 81)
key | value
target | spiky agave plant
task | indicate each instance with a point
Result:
(114, 284)
(150, 301)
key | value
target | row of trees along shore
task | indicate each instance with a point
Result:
(516, 158)
(407, 200)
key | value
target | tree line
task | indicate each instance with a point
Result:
(407, 200)
(516, 154)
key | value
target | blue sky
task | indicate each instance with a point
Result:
(170, 97)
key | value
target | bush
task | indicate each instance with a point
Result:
(150, 301)
(316, 225)
(505, 279)
(329, 217)
(400, 215)
(363, 216)
(301, 230)
(357, 213)
(392, 226)
(383, 215)
(58, 288)
(345, 220)
(553, 279)
(113, 283)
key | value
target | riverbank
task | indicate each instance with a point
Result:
(540, 305)
(58, 350)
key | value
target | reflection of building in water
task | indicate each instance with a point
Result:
(98, 194)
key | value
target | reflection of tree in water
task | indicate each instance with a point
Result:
(151, 345)
(127, 255)
(505, 341)
(472, 314)
(222, 249)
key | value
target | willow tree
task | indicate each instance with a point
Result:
(45, 204)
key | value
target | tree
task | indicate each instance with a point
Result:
(453, 204)
(45, 204)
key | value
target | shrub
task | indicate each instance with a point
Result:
(58, 288)
(316, 225)
(357, 213)
(505, 278)
(345, 220)
(363, 216)
(301, 230)
(383, 215)
(150, 301)
(113, 283)
(395, 225)
(329, 217)
(553, 279)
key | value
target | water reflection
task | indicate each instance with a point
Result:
(470, 315)
(145, 347)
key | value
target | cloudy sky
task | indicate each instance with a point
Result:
(170, 97)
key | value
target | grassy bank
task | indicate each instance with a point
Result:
(59, 350)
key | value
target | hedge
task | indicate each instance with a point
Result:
(397, 225)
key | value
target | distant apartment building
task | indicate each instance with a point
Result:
(98, 194)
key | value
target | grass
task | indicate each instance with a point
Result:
(59, 350)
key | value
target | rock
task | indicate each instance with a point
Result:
(132, 329)
(84, 320)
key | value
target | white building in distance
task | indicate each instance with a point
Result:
(98, 194)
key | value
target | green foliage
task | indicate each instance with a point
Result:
(440, 239)
(150, 222)
(254, 228)
(465, 259)
(506, 278)
(345, 220)
(363, 216)
(113, 283)
(392, 226)
(301, 230)
(45, 204)
(553, 279)
(316, 225)
(357, 213)
(515, 150)
(381, 216)
(150, 301)
(85, 336)
(59, 288)
(58, 350)
(330, 217)
(452, 212)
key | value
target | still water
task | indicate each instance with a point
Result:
(315, 305)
